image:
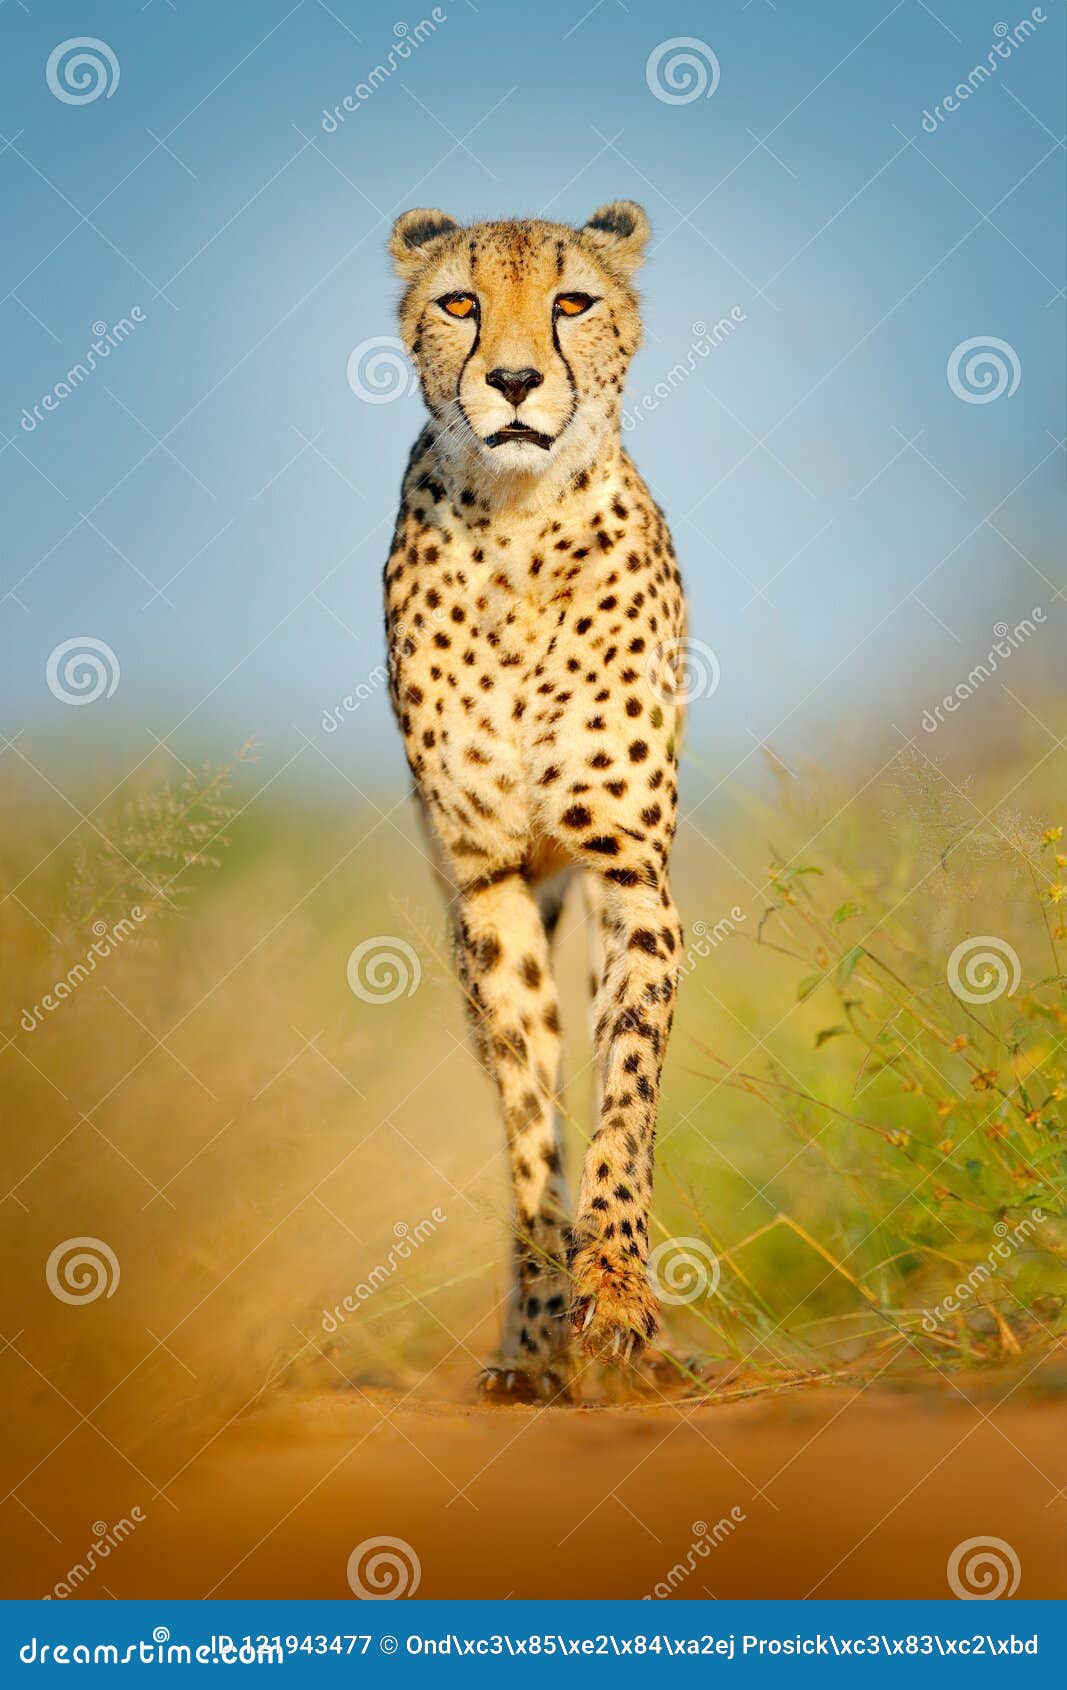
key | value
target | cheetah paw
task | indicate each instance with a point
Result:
(613, 1309)
(546, 1386)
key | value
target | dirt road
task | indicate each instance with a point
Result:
(816, 1492)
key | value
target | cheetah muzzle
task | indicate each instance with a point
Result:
(533, 606)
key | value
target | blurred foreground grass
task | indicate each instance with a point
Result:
(862, 1118)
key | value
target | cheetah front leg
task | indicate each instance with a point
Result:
(504, 965)
(613, 1307)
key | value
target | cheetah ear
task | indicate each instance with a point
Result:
(619, 232)
(414, 236)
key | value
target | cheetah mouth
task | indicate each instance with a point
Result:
(522, 432)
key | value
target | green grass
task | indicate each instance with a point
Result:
(888, 1134)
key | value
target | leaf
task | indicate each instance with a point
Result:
(787, 874)
(847, 966)
(826, 1033)
(845, 912)
(808, 985)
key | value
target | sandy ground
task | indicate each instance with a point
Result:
(249, 1173)
(838, 1492)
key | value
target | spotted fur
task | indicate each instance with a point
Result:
(532, 600)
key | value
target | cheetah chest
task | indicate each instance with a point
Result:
(533, 711)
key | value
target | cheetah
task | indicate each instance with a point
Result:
(534, 618)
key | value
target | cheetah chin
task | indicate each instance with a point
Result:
(536, 626)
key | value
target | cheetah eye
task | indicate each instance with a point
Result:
(573, 304)
(458, 304)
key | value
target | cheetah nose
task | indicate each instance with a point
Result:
(514, 384)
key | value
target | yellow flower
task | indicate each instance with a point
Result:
(900, 1141)
(1051, 834)
(947, 1146)
(984, 1080)
(959, 1042)
(1057, 892)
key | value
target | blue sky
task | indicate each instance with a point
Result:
(214, 501)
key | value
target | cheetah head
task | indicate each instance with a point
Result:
(522, 333)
